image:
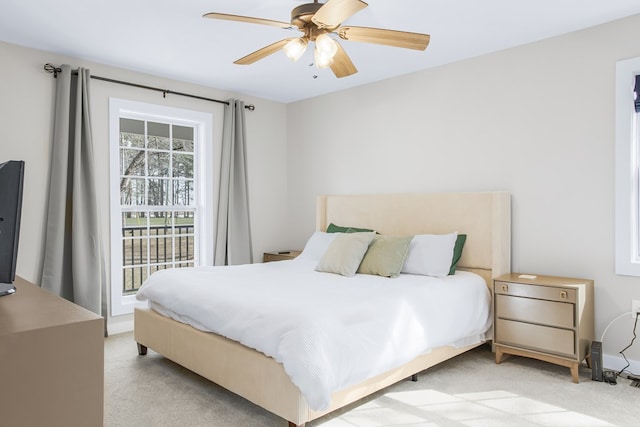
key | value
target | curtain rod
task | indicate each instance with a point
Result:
(50, 68)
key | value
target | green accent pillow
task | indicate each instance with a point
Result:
(344, 253)
(332, 228)
(385, 256)
(457, 252)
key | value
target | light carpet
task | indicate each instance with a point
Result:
(469, 390)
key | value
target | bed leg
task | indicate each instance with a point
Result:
(142, 349)
(295, 425)
(414, 378)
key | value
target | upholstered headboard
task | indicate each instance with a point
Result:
(485, 217)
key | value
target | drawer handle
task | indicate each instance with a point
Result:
(563, 294)
(505, 288)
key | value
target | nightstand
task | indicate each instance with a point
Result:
(279, 256)
(544, 317)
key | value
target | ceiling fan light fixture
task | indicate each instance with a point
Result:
(322, 25)
(295, 48)
(325, 50)
(322, 60)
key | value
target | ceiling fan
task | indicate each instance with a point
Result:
(317, 21)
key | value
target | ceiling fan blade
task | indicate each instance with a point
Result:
(333, 12)
(342, 65)
(394, 38)
(248, 19)
(262, 53)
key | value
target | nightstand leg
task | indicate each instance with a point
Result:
(499, 354)
(588, 360)
(574, 372)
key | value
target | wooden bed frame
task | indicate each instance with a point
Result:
(486, 219)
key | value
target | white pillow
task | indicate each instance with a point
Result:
(317, 245)
(430, 254)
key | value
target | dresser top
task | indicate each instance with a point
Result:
(32, 307)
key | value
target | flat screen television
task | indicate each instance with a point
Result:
(11, 182)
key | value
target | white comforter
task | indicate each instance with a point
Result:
(328, 331)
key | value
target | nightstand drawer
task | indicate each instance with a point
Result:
(553, 293)
(550, 313)
(536, 337)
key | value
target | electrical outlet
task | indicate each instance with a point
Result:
(635, 307)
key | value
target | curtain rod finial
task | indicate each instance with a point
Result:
(50, 68)
(250, 107)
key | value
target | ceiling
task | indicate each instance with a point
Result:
(170, 38)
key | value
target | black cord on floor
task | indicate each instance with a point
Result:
(627, 347)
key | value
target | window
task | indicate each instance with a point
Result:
(627, 169)
(159, 194)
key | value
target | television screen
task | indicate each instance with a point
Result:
(11, 182)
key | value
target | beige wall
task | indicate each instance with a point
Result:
(536, 120)
(26, 114)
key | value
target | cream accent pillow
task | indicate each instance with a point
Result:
(385, 256)
(344, 254)
(430, 254)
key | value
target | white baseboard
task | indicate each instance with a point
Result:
(120, 324)
(616, 363)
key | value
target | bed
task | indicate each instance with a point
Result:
(484, 217)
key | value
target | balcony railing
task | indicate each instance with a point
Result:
(149, 249)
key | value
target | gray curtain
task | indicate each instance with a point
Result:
(73, 265)
(233, 231)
